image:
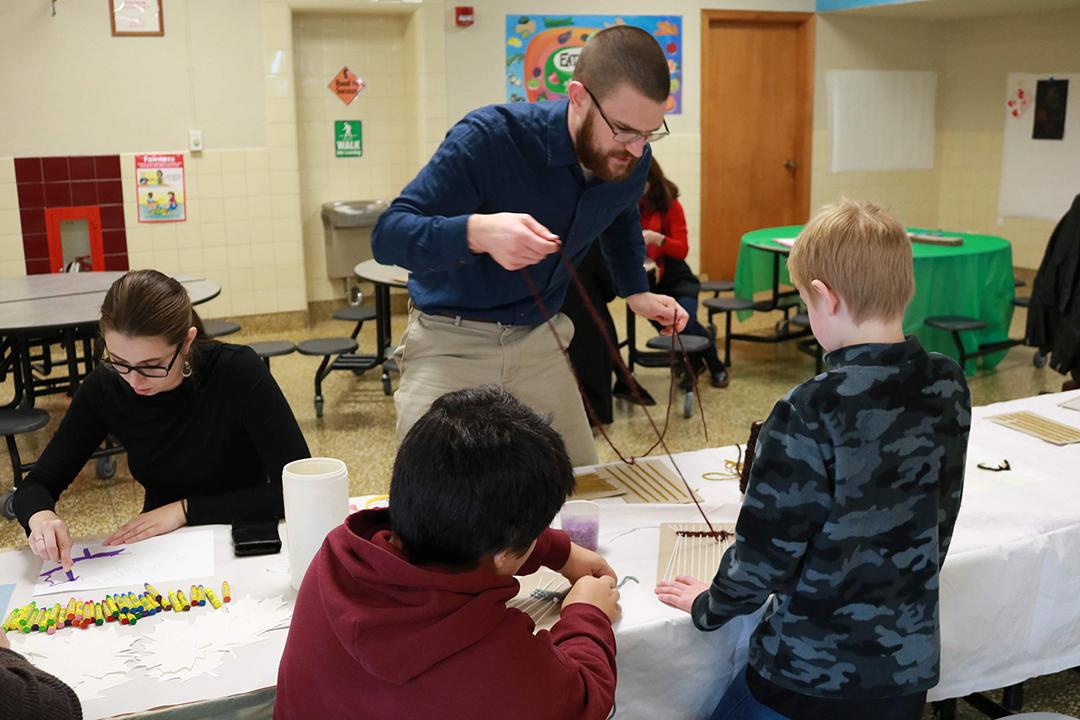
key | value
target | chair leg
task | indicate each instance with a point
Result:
(267, 361)
(727, 340)
(1013, 697)
(321, 373)
(356, 331)
(960, 348)
(16, 463)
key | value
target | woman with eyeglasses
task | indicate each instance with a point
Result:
(205, 426)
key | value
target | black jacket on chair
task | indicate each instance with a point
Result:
(1053, 321)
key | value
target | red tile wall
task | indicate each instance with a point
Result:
(53, 182)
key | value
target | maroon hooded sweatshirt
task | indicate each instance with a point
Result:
(374, 636)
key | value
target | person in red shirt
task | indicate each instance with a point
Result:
(402, 612)
(663, 224)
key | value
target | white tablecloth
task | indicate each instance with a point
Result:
(1010, 596)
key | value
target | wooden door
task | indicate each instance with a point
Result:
(757, 90)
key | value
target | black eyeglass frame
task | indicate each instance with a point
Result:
(634, 134)
(125, 369)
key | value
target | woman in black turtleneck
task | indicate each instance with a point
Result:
(204, 424)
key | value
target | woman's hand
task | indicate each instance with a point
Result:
(652, 237)
(163, 520)
(49, 538)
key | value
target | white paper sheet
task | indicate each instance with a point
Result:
(880, 120)
(166, 558)
(1039, 178)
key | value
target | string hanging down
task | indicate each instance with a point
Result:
(627, 376)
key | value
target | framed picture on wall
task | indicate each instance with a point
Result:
(136, 17)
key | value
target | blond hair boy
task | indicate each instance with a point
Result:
(852, 498)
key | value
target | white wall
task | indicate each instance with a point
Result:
(69, 87)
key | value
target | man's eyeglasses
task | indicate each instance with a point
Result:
(627, 137)
(150, 371)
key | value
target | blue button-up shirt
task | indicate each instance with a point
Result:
(509, 158)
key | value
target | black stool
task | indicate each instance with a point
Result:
(218, 328)
(694, 346)
(956, 324)
(358, 314)
(726, 305)
(272, 348)
(12, 423)
(717, 286)
(326, 347)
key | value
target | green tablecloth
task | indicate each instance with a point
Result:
(973, 280)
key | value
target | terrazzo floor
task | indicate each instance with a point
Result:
(358, 428)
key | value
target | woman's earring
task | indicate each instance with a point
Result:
(186, 370)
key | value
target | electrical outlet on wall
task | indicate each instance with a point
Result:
(195, 143)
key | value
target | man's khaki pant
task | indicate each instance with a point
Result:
(441, 354)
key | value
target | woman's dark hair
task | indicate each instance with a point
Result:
(148, 303)
(479, 473)
(661, 190)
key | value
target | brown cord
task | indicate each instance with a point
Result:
(625, 371)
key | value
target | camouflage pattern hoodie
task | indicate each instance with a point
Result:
(848, 514)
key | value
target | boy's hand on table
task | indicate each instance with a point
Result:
(163, 520)
(599, 592)
(681, 592)
(49, 538)
(585, 563)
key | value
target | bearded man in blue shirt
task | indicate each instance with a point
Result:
(508, 188)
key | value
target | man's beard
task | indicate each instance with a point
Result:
(594, 160)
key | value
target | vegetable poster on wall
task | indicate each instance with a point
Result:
(161, 188)
(541, 51)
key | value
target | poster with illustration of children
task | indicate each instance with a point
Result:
(161, 188)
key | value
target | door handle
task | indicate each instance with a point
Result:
(789, 164)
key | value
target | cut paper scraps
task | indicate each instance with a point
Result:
(646, 481)
(179, 555)
(696, 555)
(89, 662)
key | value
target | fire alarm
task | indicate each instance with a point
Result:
(463, 15)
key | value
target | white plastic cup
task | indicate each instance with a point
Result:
(581, 521)
(316, 501)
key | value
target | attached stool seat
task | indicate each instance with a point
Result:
(717, 286)
(358, 314)
(218, 328)
(726, 305)
(1022, 301)
(17, 422)
(956, 324)
(1042, 716)
(694, 346)
(325, 347)
(272, 348)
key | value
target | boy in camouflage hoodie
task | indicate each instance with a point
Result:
(852, 497)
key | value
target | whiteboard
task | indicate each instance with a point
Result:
(1039, 178)
(880, 120)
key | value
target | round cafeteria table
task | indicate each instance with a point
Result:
(383, 277)
(971, 280)
(60, 308)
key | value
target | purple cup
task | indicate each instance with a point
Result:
(581, 521)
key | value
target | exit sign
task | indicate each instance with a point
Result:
(348, 139)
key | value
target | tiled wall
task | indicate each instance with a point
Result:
(12, 258)
(43, 183)
(372, 47)
(680, 156)
(913, 195)
(970, 164)
(241, 231)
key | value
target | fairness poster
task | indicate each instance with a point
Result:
(160, 188)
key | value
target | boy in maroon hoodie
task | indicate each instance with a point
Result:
(402, 613)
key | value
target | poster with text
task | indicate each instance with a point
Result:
(541, 51)
(161, 188)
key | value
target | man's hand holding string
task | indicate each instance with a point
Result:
(514, 240)
(660, 308)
